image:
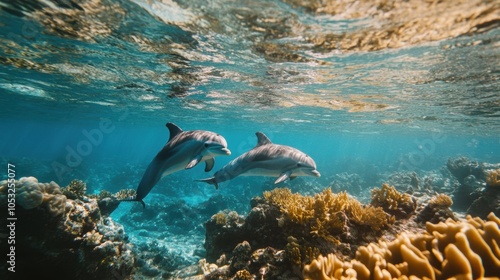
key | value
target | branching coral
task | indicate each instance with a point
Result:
(104, 194)
(125, 193)
(462, 250)
(392, 201)
(226, 217)
(220, 218)
(75, 190)
(297, 254)
(493, 178)
(292, 251)
(326, 213)
(441, 201)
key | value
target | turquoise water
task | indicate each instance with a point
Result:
(143, 67)
(88, 97)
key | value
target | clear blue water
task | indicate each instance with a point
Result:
(145, 63)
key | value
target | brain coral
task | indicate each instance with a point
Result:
(450, 250)
(30, 194)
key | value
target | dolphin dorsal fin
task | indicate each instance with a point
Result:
(262, 139)
(174, 130)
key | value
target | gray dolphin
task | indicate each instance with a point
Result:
(184, 150)
(267, 159)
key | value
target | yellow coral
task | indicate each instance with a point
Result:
(393, 201)
(459, 250)
(125, 193)
(326, 213)
(75, 190)
(441, 201)
(220, 218)
(243, 275)
(493, 178)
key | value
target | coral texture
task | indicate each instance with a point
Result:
(493, 178)
(462, 250)
(437, 210)
(75, 190)
(392, 201)
(471, 194)
(65, 238)
(324, 213)
(441, 201)
(289, 230)
(31, 194)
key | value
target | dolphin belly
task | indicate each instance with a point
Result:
(262, 172)
(162, 165)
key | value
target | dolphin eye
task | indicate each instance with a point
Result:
(206, 145)
(299, 165)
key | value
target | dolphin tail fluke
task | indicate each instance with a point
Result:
(210, 181)
(134, 198)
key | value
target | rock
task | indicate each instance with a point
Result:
(462, 167)
(488, 201)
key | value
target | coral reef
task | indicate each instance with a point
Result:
(125, 193)
(488, 201)
(351, 183)
(266, 263)
(70, 238)
(31, 194)
(461, 167)
(408, 182)
(75, 190)
(437, 210)
(393, 202)
(463, 250)
(289, 230)
(466, 192)
(493, 178)
(441, 201)
(475, 192)
(326, 213)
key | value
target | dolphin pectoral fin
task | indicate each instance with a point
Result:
(209, 164)
(194, 162)
(283, 177)
(292, 177)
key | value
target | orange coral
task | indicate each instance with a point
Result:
(460, 250)
(441, 201)
(393, 201)
(326, 212)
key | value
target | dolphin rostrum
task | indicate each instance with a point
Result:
(184, 150)
(267, 159)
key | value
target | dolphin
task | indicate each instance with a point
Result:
(184, 150)
(266, 159)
